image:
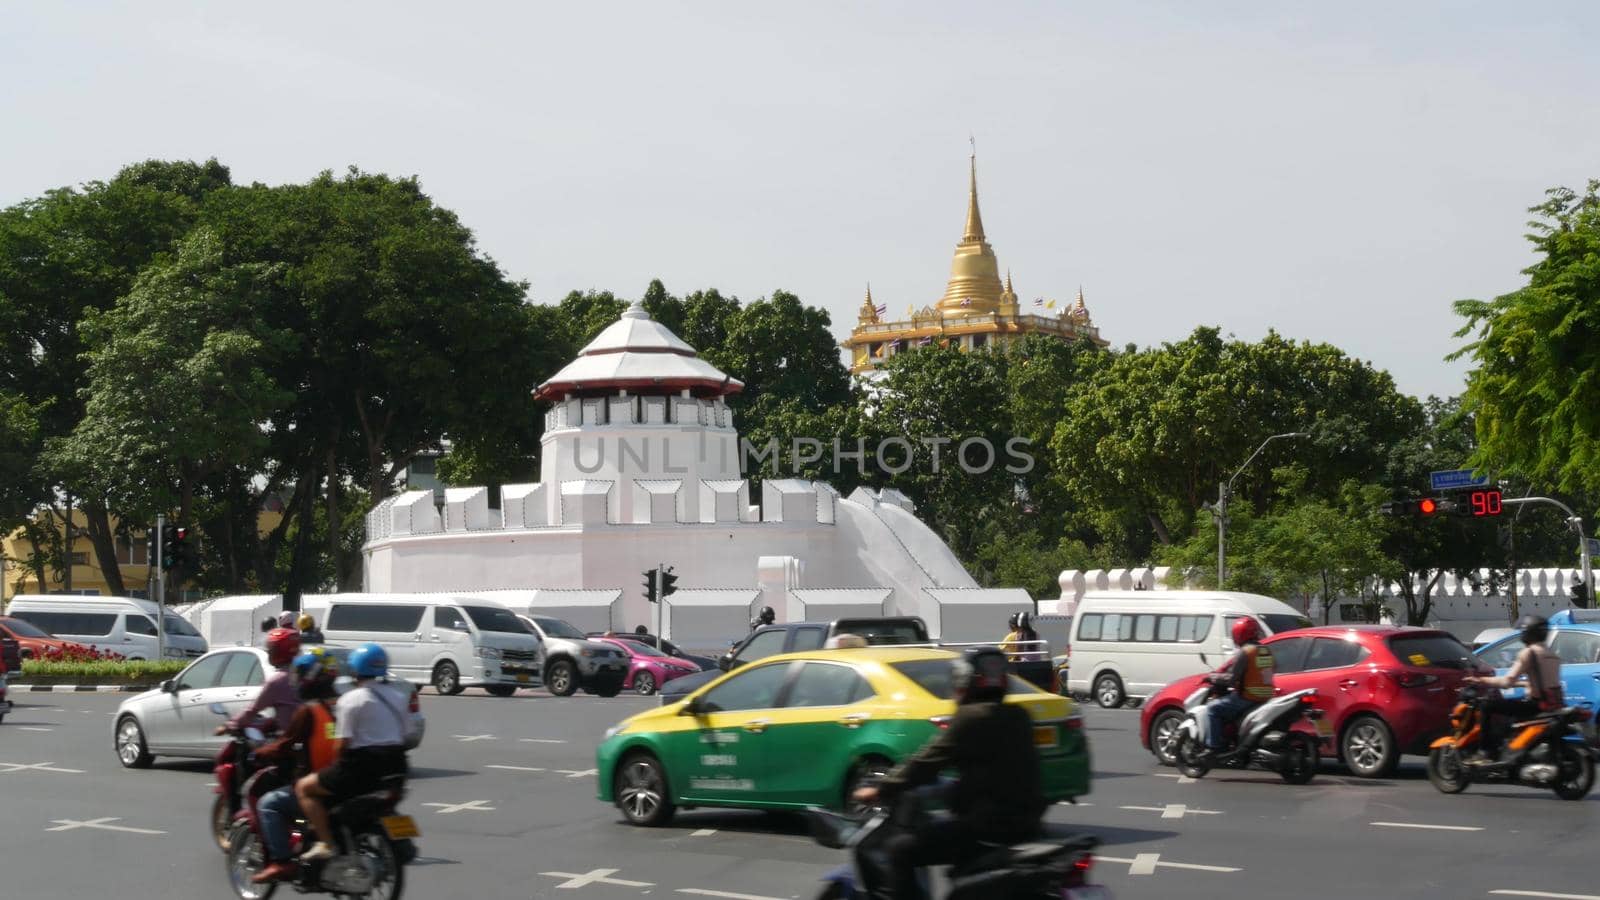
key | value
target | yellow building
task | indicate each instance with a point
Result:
(87, 578)
(976, 311)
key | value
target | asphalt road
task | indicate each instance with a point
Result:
(504, 795)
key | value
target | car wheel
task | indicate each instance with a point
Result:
(447, 678)
(1164, 736)
(641, 791)
(1108, 691)
(561, 678)
(644, 683)
(131, 748)
(501, 690)
(1368, 748)
(869, 771)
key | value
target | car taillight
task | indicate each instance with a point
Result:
(1083, 863)
(1075, 723)
(416, 701)
(941, 722)
(1413, 679)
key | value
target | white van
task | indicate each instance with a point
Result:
(1133, 643)
(450, 642)
(125, 625)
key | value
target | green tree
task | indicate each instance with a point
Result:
(1536, 354)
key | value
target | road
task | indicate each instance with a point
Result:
(504, 795)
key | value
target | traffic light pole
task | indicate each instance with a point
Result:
(1576, 522)
(1225, 493)
(660, 602)
(161, 589)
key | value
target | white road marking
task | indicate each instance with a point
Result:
(540, 741)
(1182, 779)
(101, 824)
(473, 805)
(467, 738)
(598, 876)
(1174, 810)
(516, 768)
(1512, 893)
(36, 767)
(1431, 827)
(1153, 860)
(578, 773)
(704, 832)
(701, 892)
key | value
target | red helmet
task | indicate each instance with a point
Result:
(1245, 631)
(283, 645)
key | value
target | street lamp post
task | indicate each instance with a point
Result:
(1575, 522)
(1225, 492)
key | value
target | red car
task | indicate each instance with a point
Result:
(1387, 690)
(649, 668)
(30, 640)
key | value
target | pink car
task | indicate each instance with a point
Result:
(649, 668)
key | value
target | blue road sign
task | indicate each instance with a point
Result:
(1456, 479)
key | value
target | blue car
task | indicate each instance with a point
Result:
(1575, 637)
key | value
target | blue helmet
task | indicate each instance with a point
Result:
(369, 661)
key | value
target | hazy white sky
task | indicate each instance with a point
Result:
(1337, 171)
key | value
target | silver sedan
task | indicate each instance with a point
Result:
(176, 719)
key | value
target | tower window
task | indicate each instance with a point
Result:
(979, 341)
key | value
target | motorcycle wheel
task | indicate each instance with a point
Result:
(376, 845)
(1299, 763)
(246, 857)
(1445, 770)
(1190, 756)
(1577, 774)
(221, 822)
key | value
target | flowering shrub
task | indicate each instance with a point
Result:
(78, 653)
(102, 671)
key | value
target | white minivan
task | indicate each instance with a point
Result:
(1133, 643)
(125, 625)
(449, 642)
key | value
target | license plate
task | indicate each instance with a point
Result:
(1044, 736)
(522, 677)
(400, 827)
(1323, 726)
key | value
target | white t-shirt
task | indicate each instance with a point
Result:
(362, 719)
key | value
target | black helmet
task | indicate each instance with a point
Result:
(1011, 622)
(979, 675)
(1024, 621)
(767, 615)
(1534, 629)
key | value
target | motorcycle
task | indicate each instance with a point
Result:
(1549, 750)
(373, 843)
(1270, 735)
(1053, 867)
(234, 763)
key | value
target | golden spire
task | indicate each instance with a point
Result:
(869, 310)
(974, 230)
(974, 287)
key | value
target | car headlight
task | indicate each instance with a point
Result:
(487, 653)
(612, 732)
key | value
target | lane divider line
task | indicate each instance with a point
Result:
(1427, 827)
(701, 892)
(1546, 894)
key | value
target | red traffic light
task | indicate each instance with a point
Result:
(1427, 506)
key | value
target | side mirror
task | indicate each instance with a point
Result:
(218, 708)
(725, 661)
(459, 625)
(691, 707)
(169, 686)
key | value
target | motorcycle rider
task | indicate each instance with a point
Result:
(1247, 677)
(1541, 668)
(1009, 644)
(311, 733)
(766, 617)
(278, 691)
(370, 729)
(309, 632)
(997, 795)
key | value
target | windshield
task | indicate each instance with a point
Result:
(558, 628)
(641, 649)
(24, 629)
(178, 625)
(1431, 650)
(1280, 622)
(493, 618)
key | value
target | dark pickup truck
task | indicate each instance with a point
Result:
(794, 637)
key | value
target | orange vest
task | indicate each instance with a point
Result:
(320, 745)
(1257, 685)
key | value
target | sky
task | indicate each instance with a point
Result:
(1338, 172)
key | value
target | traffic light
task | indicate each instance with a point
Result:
(169, 546)
(1422, 506)
(650, 585)
(1477, 504)
(1580, 594)
(183, 551)
(669, 582)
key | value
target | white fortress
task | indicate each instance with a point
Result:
(641, 466)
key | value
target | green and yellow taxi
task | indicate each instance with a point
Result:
(803, 729)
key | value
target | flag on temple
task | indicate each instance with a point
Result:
(1038, 301)
(882, 309)
(966, 301)
(1050, 305)
(925, 340)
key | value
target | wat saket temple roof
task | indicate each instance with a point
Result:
(977, 310)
